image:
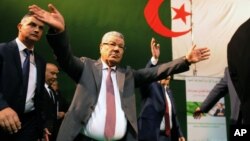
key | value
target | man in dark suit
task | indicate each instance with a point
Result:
(52, 100)
(62, 106)
(21, 102)
(151, 121)
(238, 63)
(221, 89)
(105, 90)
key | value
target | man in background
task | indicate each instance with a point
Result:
(221, 89)
(62, 106)
(52, 100)
(157, 105)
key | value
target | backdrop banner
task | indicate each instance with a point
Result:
(212, 126)
(211, 23)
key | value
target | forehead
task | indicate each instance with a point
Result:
(31, 19)
(51, 67)
(113, 38)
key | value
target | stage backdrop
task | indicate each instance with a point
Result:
(206, 23)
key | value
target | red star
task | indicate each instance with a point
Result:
(181, 13)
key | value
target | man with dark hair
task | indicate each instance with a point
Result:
(157, 105)
(22, 73)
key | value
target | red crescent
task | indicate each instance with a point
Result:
(153, 19)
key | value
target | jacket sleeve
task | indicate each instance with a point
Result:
(219, 91)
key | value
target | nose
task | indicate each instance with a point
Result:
(116, 47)
(55, 76)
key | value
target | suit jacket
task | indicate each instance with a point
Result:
(11, 83)
(153, 110)
(51, 111)
(87, 73)
(63, 106)
(222, 88)
(238, 64)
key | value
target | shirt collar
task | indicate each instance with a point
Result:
(46, 85)
(105, 66)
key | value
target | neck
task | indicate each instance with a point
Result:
(28, 43)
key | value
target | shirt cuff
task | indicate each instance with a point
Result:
(154, 61)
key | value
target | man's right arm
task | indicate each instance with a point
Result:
(219, 91)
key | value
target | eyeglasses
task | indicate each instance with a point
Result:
(114, 45)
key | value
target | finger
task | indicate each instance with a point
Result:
(34, 8)
(52, 8)
(17, 122)
(205, 56)
(37, 11)
(193, 47)
(158, 45)
(13, 125)
(206, 50)
(7, 126)
(46, 137)
(2, 124)
(152, 42)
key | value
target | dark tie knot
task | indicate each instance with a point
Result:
(27, 52)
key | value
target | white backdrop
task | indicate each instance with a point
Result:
(213, 22)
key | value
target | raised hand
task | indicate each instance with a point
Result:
(9, 120)
(155, 48)
(53, 18)
(195, 55)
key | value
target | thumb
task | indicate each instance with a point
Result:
(194, 46)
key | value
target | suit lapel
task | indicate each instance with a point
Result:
(120, 79)
(16, 57)
(39, 70)
(97, 70)
(163, 95)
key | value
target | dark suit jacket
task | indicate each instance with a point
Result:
(222, 88)
(63, 106)
(51, 111)
(11, 83)
(87, 73)
(153, 110)
(239, 68)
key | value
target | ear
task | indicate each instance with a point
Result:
(19, 26)
(100, 47)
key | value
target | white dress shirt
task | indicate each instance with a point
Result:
(96, 124)
(29, 104)
(154, 61)
(162, 127)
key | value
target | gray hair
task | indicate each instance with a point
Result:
(111, 33)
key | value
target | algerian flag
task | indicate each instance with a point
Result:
(212, 24)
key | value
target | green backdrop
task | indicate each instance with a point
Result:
(86, 22)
